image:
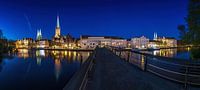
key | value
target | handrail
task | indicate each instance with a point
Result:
(187, 72)
(78, 80)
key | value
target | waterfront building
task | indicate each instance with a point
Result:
(165, 42)
(69, 42)
(140, 42)
(24, 43)
(154, 44)
(57, 37)
(90, 42)
(60, 41)
(42, 43)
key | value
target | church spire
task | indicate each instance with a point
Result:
(57, 32)
(39, 34)
(58, 22)
(155, 36)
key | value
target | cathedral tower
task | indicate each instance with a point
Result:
(57, 32)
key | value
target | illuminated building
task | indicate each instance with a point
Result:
(57, 39)
(57, 33)
(154, 44)
(69, 42)
(24, 43)
(90, 42)
(163, 42)
(43, 43)
(60, 41)
(140, 42)
(168, 42)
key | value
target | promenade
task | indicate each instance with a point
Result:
(109, 72)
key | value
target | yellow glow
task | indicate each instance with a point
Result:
(57, 68)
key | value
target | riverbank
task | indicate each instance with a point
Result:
(57, 49)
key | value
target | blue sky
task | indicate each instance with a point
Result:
(124, 18)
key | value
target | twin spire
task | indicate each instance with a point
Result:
(57, 33)
(39, 34)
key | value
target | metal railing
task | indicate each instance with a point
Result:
(178, 70)
(80, 78)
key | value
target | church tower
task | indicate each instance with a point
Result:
(39, 34)
(155, 36)
(57, 32)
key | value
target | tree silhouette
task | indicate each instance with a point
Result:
(193, 22)
(190, 33)
(1, 34)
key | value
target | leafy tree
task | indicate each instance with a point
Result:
(190, 33)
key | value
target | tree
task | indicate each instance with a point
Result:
(190, 33)
(193, 22)
(1, 34)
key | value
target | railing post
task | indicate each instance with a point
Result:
(145, 62)
(128, 58)
(120, 53)
(186, 78)
(81, 57)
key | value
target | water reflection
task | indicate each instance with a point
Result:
(23, 53)
(136, 59)
(57, 68)
(59, 56)
(47, 69)
(184, 53)
(165, 52)
(140, 60)
(39, 55)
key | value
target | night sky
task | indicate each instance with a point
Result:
(124, 18)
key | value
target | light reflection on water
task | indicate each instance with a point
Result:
(40, 69)
(139, 60)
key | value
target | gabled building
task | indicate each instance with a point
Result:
(24, 43)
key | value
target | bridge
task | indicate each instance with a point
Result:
(106, 70)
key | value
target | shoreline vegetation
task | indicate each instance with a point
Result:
(189, 32)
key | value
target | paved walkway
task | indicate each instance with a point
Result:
(112, 73)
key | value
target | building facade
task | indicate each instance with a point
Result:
(25, 43)
(60, 41)
(164, 42)
(90, 42)
(140, 42)
(43, 43)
